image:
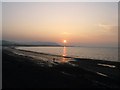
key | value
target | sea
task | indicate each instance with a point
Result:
(99, 53)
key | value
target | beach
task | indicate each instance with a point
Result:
(27, 69)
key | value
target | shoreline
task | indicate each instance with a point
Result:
(104, 62)
(97, 72)
(77, 58)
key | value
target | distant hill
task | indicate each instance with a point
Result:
(8, 43)
(37, 43)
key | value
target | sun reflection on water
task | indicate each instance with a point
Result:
(64, 51)
(64, 60)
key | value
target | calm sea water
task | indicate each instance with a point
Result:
(110, 54)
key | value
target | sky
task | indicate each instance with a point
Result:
(0, 20)
(80, 23)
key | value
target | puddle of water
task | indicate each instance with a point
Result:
(106, 65)
(101, 74)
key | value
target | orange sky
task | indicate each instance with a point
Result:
(78, 23)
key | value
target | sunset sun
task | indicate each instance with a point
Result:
(65, 41)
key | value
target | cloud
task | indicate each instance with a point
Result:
(108, 28)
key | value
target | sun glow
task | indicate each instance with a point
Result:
(65, 41)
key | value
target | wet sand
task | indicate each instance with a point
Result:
(27, 69)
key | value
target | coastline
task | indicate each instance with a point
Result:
(81, 71)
